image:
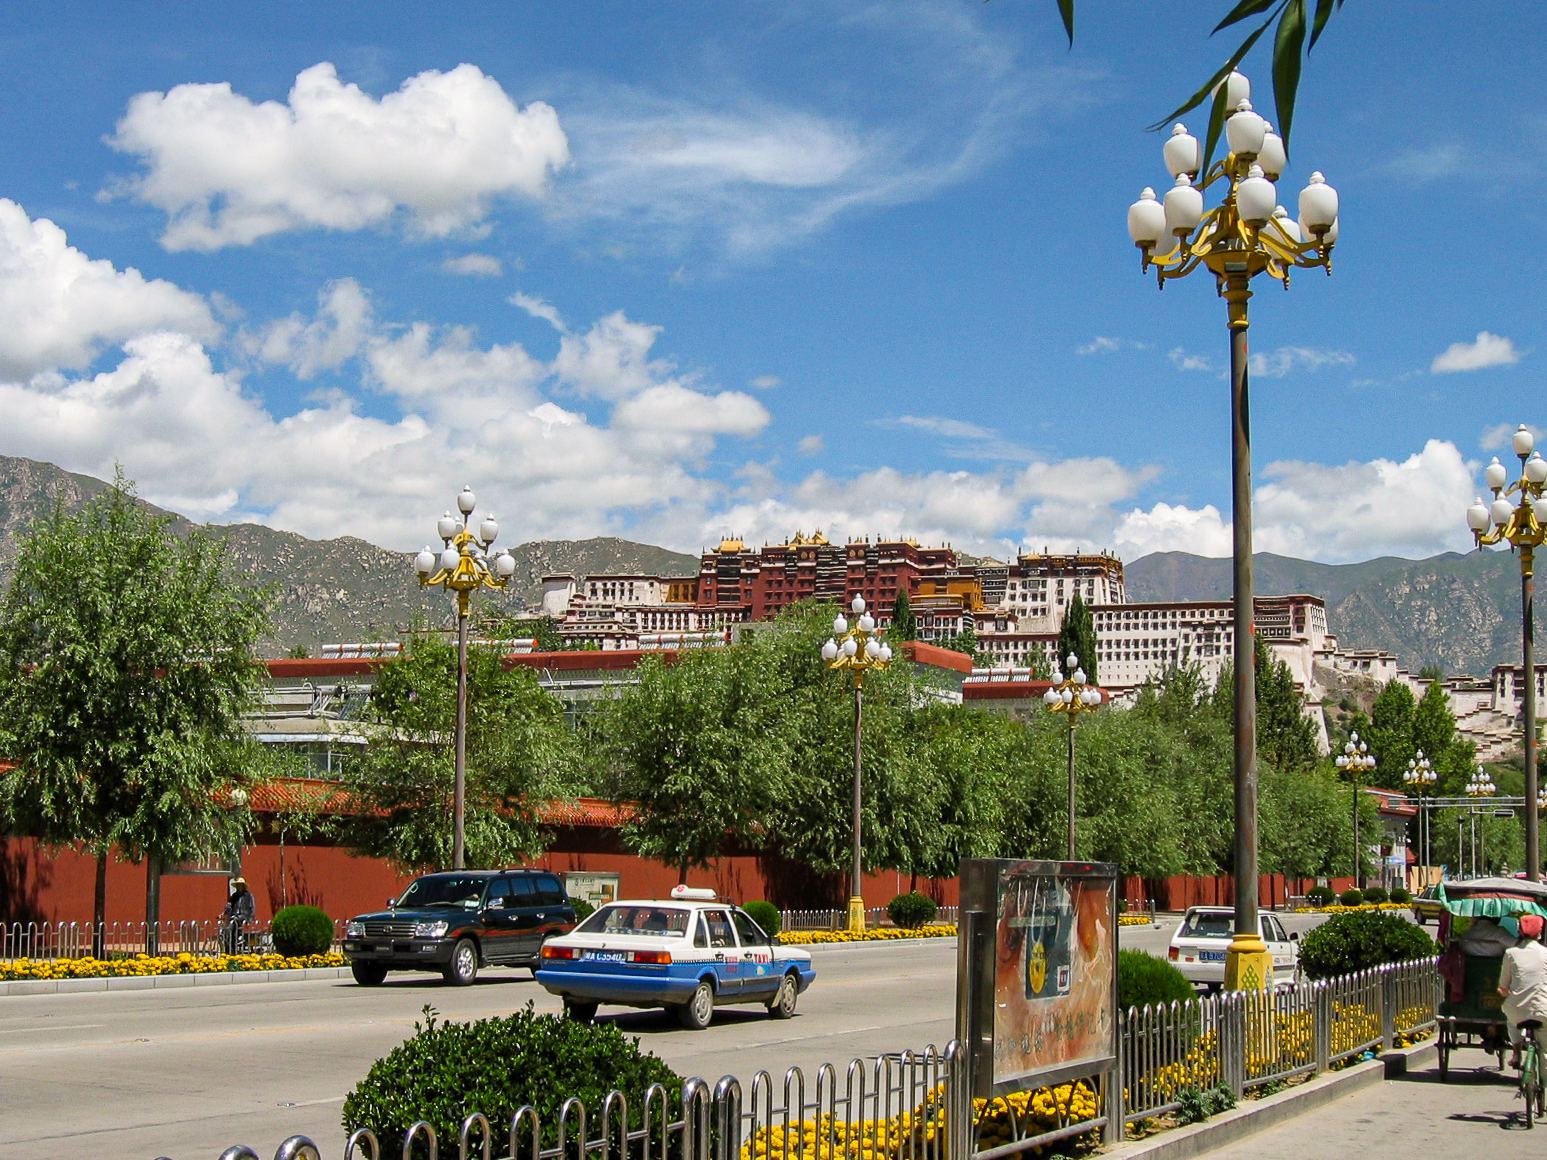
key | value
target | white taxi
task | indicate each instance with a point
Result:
(689, 954)
(1199, 944)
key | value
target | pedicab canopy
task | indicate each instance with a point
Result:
(1494, 898)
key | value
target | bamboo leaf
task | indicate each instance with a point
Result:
(1323, 14)
(1066, 10)
(1217, 116)
(1229, 66)
(1287, 47)
(1242, 10)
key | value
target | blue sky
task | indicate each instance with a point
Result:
(676, 271)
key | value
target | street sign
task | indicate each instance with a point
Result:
(1503, 813)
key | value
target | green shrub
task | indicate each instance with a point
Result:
(1375, 894)
(302, 930)
(766, 915)
(1142, 980)
(583, 909)
(1351, 897)
(1199, 1105)
(912, 910)
(1356, 942)
(1320, 896)
(448, 1070)
(1400, 895)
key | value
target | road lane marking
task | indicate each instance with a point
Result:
(66, 1027)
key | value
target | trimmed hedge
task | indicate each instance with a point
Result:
(1351, 897)
(1320, 896)
(1144, 980)
(1398, 894)
(766, 915)
(494, 1066)
(300, 931)
(1346, 943)
(912, 910)
(1376, 894)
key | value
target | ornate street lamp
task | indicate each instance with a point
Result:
(1247, 234)
(859, 650)
(1481, 786)
(1357, 759)
(1421, 778)
(1519, 523)
(463, 565)
(1073, 696)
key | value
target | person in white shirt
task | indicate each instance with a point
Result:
(1523, 981)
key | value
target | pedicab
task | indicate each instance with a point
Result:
(1476, 927)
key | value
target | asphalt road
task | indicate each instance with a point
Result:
(186, 1072)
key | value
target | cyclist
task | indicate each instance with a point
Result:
(241, 909)
(1523, 981)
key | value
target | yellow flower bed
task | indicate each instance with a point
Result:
(798, 938)
(1133, 920)
(1002, 1120)
(182, 964)
(1339, 908)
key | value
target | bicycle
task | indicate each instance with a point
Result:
(1531, 1072)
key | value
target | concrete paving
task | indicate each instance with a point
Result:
(1412, 1118)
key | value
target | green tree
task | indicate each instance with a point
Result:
(127, 657)
(702, 751)
(965, 641)
(520, 754)
(1391, 734)
(1078, 636)
(905, 625)
(545, 631)
(1285, 735)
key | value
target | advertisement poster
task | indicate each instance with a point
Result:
(1053, 970)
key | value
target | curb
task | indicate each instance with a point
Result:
(862, 944)
(1253, 1116)
(158, 982)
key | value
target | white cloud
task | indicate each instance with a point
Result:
(1488, 350)
(1103, 345)
(60, 308)
(939, 425)
(539, 308)
(612, 359)
(1172, 528)
(766, 382)
(227, 171)
(1498, 437)
(337, 334)
(474, 265)
(1183, 361)
(812, 445)
(1278, 363)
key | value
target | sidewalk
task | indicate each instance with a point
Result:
(1412, 1118)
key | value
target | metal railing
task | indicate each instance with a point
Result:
(915, 1105)
(895, 1105)
(1244, 1039)
(838, 919)
(77, 940)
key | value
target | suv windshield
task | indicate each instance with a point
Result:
(1201, 924)
(443, 890)
(660, 921)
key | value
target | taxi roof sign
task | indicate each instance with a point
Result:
(695, 893)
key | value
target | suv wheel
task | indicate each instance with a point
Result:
(697, 1011)
(782, 1005)
(368, 974)
(463, 967)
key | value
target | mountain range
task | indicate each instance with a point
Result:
(1459, 612)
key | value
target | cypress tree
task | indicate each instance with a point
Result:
(905, 625)
(1078, 636)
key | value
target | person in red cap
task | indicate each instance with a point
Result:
(1523, 981)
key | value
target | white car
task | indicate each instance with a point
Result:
(1199, 944)
(689, 955)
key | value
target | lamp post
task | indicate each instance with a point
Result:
(1421, 777)
(860, 650)
(1245, 235)
(1073, 696)
(1356, 759)
(1519, 523)
(1481, 786)
(463, 566)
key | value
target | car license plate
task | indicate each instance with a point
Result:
(1211, 956)
(609, 956)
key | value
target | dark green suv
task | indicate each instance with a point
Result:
(457, 921)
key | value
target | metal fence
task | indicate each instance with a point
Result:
(1244, 1039)
(75, 940)
(839, 919)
